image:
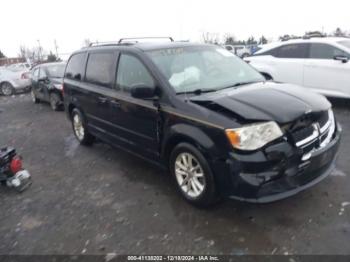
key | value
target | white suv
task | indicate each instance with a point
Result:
(239, 50)
(321, 64)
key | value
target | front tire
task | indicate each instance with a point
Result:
(7, 89)
(193, 176)
(79, 128)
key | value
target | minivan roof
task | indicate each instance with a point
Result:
(144, 46)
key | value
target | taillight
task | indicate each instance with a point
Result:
(25, 76)
(16, 164)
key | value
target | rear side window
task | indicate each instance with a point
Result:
(325, 51)
(291, 51)
(75, 67)
(100, 68)
(132, 72)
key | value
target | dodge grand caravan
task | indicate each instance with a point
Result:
(213, 120)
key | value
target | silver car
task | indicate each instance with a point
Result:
(14, 80)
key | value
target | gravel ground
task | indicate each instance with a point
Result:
(100, 200)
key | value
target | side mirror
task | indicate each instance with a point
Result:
(143, 91)
(342, 58)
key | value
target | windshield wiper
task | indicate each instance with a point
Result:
(240, 84)
(197, 91)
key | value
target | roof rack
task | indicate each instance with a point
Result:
(134, 39)
(126, 41)
(106, 43)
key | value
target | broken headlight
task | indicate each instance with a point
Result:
(255, 136)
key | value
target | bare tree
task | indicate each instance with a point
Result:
(229, 39)
(22, 51)
(36, 54)
(339, 33)
(86, 42)
(210, 38)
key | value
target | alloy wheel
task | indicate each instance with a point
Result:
(33, 96)
(78, 127)
(189, 175)
(7, 89)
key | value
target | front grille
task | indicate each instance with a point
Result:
(323, 119)
(302, 133)
(314, 133)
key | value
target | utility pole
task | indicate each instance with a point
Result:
(39, 52)
(56, 48)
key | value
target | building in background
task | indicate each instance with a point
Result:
(9, 61)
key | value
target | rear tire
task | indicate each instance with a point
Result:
(55, 102)
(79, 128)
(7, 89)
(34, 98)
(193, 176)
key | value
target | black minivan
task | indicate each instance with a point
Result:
(213, 120)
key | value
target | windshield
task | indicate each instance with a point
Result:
(56, 71)
(345, 43)
(205, 68)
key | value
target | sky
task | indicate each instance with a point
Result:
(69, 22)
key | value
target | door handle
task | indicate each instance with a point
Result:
(102, 100)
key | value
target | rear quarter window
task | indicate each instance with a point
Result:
(325, 51)
(76, 66)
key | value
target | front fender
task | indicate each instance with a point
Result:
(263, 68)
(188, 133)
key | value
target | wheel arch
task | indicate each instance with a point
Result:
(189, 134)
(70, 108)
(6, 81)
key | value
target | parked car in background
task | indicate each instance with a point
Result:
(206, 115)
(239, 50)
(14, 80)
(20, 66)
(47, 80)
(320, 64)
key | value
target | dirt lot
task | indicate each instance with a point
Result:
(101, 200)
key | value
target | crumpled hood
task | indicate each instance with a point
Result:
(267, 101)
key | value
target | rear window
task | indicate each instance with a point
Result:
(56, 71)
(100, 68)
(75, 67)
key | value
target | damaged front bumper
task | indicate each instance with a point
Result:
(278, 171)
